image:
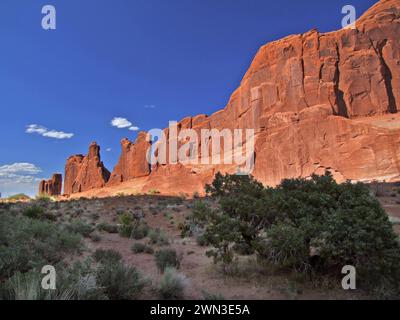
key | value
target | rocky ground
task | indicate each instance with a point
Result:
(247, 281)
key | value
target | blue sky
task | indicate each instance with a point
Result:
(148, 61)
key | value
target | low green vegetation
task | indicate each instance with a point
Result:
(107, 255)
(303, 231)
(27, 243)
(312, 226)
(106, 227)
(126, 225)
(172, 285)
(158, 236)
(167, 258)
(34, 212)
(119, 281)
(139, 247)
(80, 227)
(140, 230)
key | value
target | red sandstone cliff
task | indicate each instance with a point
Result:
(316, 101)
(84, 173)
(307, 96)
(51, 187)
(133, 161)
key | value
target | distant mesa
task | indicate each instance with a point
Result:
(51, 187)
(317, 102)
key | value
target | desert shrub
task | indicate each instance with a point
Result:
(243, 248)
(107, 256)
(27, 286)
(126, 219)
(200, 212)
(195, 222)
(315, 226)
(109, 228)
(284, 245)
(202, 240)
(158, 236)
(342, 225)
(172, 285)
(167, 258)
(119, 281)
(140, 231)
(138, 247)
(34, 212)
(81, 281)
(148, 250)
(75, 282)
(26, 244)
(126, 225)
(80, 227)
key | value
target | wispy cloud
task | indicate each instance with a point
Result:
(43, 131)
(19, 178)
(150, 106)
(108, 149)
(20, 168)
(123, 123)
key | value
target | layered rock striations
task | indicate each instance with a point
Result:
(316, 101)
(83, 173)
(52, 187)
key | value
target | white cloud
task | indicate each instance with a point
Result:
(34, 128)
(120, 123)
(108, 149)
(20, 168)
(123, 123)
(150, 106)
(19, 178)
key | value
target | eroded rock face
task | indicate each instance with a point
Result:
(316, 102)
(132, 162)
(51, 187)
(83, 173)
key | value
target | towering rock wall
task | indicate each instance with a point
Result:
(51, 187)
(306, 97)
(133, 162)
(316, 102)
(83, 173)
